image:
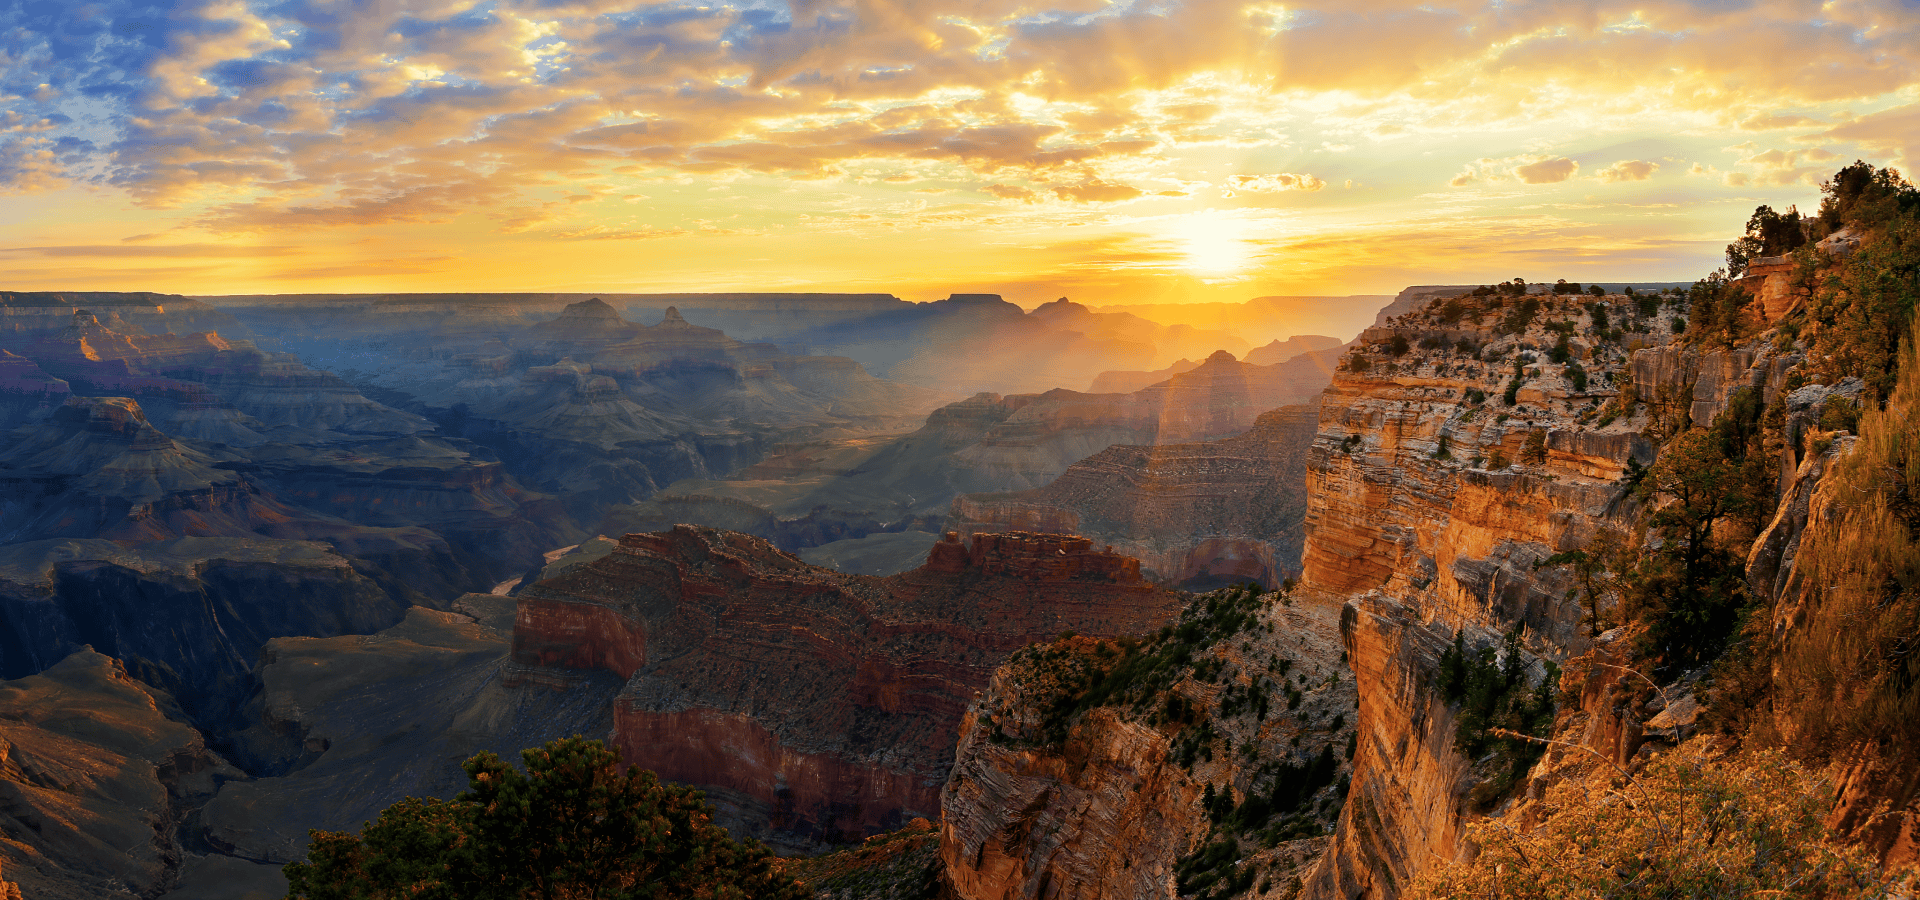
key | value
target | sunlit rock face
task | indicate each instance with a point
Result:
(1111, 808)
(96, 768)
(815, 706)
(1195, 514)
(1411, 524)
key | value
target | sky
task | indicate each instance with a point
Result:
(1111, 152)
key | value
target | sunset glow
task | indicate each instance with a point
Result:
(1111, 152)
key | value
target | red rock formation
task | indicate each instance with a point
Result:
(821, 704)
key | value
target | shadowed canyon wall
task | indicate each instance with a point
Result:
(814, 704)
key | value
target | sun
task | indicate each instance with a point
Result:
(1215, 243)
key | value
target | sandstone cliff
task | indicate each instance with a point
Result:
(812, 705)
(1464, 441)
(1432, 505)
(1207, 759)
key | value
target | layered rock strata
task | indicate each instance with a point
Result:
(1199, 515)
(1432, 505)
(815, 705)
(992, 443)
(1123, 799)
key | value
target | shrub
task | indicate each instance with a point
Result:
(1520, 316)
(573, 825)
(1847, 675)
(1398, 345)
(1491, 690)
(1534, 451)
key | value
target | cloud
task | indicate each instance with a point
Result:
(1011, 192)
(603, 233)
(1777, 122)
(264, 114)
(1547, 171)
(1628, 170)
(1096, 191)
(1527, 169)
(28, 166)
(1894, 133)
(1270, 184)
(1779, 168)
(182, 251)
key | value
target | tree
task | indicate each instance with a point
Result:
(1690, 590)
(1719, 311)
(1768, 234)
(573, 825)
(1593, 569)
(1863, 195)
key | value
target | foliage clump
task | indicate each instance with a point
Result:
(1498, 707)
(573, 824)
(1139, 674)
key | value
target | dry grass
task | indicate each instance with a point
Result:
(1690, 824)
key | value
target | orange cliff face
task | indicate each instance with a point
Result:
(813, 705)
(1431, 505)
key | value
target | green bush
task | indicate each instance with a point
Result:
(1491, 690)
(573, 824)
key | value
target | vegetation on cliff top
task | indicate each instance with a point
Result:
(572, 825)
(1689, 824)
(1809, 679)
(898, 865)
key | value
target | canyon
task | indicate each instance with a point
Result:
(290, 522)
(330, 583)
(810, 704)
(1434, 513)
(1201, 515)
(886, 499)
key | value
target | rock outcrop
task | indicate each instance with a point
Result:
(814, 706)
(346, 726)
(95, 773)
(1432, 504)
(1176, 779)
(1199, 515)
(188, 616)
